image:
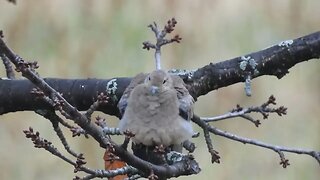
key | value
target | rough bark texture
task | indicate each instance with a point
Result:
(277, 60)
(16, 95)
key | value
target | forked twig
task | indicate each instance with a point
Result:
(161, 40)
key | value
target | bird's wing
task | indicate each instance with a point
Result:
(186, 101)
(122, 104)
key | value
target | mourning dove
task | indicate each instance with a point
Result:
(157, 109)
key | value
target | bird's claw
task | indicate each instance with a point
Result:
(161, 149)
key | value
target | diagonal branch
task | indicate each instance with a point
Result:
(40, 142)
(55, 119)
(45, 144)
(8, 67)
(28, 70)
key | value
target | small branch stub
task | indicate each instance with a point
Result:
(248, 66)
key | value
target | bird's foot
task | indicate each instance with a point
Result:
(152, 176)
(128, 135)
(161, 149)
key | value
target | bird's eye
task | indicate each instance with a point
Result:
(164, 81)
(149, 78)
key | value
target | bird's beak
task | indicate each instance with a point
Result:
(154, 90)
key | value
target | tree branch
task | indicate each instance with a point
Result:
(55, 119)
(276, 60)
(161, 40)
(79, 164)
(278, 149)
(70, 96)
(186, 166)
(8, 67)
(264, 110)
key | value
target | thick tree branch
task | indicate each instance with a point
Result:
(15, 94)
(276, 60)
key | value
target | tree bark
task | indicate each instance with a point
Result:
(276, 61)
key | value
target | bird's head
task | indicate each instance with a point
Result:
(158, 81)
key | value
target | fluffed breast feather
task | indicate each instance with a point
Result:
(155, 119)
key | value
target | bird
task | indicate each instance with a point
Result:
(157, 109)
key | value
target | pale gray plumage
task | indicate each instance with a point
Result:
(152, 110)
(186, 101)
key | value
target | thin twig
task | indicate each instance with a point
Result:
(111, 173)
(161, 40)
(276, 148)
(8, 67)
(107, 130)
(76, 131)
(101, 99)
(55, 119)
(215, 158)
(230, 115)
(47, 145)
(263, 109)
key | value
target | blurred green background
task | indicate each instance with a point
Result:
(102, 39)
